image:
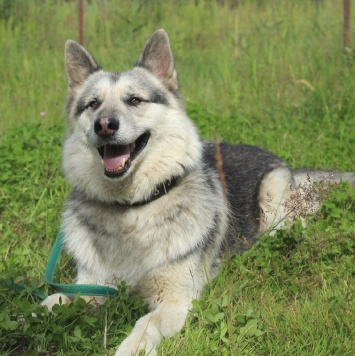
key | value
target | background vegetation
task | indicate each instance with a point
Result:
(264, 72)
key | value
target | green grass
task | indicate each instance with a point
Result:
(270, 73)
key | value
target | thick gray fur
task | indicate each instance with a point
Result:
(127, 136)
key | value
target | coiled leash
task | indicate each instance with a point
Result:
(67, 289)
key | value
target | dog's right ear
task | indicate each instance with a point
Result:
(79, 63)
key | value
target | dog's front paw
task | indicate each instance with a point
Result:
(57, 298)
(132, 346)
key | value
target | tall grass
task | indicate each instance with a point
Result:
(270, 73)
(275, 67)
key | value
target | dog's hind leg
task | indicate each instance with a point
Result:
(274, 192)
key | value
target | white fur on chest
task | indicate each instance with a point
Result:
(111, 243)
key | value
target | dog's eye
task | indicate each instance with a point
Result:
(135, 101)
(94, 104)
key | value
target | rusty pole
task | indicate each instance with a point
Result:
(81, 21)
(347, 37)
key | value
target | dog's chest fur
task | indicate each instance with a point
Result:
(125, 243)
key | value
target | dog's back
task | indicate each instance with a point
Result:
(263, 193)
(245, 168)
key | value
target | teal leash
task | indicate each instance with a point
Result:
(72, 289)
(21, 287)
(67, 289)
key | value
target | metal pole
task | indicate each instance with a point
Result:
(81, 21)
(347, 37)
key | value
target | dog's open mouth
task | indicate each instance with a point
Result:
(117, 159)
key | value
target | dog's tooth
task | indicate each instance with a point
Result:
(123, 162)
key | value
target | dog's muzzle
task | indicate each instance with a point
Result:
(117, 159)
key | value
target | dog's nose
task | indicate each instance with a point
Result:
(106, 126)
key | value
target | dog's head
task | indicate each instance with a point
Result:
(128, 124)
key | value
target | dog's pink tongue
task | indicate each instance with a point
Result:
(114, 155)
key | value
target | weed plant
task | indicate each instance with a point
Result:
(271, 73)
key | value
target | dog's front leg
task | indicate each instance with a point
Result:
(169, 294)
(82, 278)
(54, 299)
(59, 298)
(165, 321)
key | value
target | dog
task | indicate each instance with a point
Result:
(147, 205)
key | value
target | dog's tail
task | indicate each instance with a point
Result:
(310, 188)
(302, 176)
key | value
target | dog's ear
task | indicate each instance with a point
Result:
(79, 63)
(158, 59)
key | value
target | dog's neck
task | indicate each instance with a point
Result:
(159, 191)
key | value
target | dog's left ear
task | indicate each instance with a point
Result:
(158, 59)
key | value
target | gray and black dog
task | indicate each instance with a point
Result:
(147, 205)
